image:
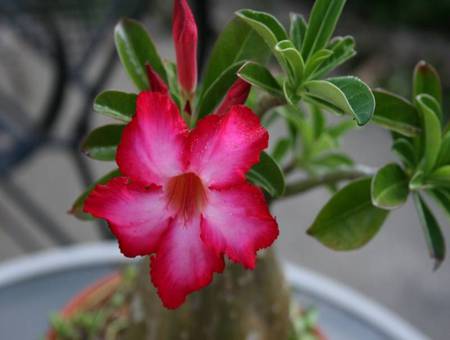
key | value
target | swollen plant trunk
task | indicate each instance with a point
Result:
(239, 304)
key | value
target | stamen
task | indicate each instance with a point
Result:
(186, 195)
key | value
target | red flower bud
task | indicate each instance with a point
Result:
(155, 81)
(184, 31)
(237, 94)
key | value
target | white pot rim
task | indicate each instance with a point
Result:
(103, 253)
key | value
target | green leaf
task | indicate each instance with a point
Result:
(281, 149)
(342, 95)
(291, 61)
(318, 121)
(324, 143)
(321, 24)
(433, 105)
(432, 133)
(297, 30)
(292, 116)
(215, 93)
(417, 181)
(426, 81)
(332, 160)
(116, 104)
(266, 25)
(259, 76)
(343, 49)
(135, 49)
(101, 143)
(405, 151)
(268, 175)
(433, 234)
(349, 220)
(290, 93)
(440, 177)
(444, 151)
(171, 69)
(338, 130)
(442, 197)
(396, 113)
(315, 61)
(389, 189)
(77, 207)
(237, 42)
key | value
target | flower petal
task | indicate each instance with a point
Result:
(185, 38)
(224, 148)
(236, 95)
(183, 263)
(155, 81)
(153, 143)
(237, 222)
(137, 215)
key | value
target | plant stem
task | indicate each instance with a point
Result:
(304, 185)
(266, 103)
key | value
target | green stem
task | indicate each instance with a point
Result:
(304, 185)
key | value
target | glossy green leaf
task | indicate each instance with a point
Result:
(405, 151)
(315, 61)
(432, 134)
(342, 95)
(433, 105)
(281, 149)
(266, 25)
(268, 175)
(77, 207)
(236, 43)
(440, 177)
(135, 49)
(444, 151)
(433, 234)
(396, 113)
(297, 30)
(291, 60)
(321, 24)
(426, 81)
(343, 49)
(116, 104)
(349, 220)
(216, 92)
(259, 76)
(389, 189)
(101, 143)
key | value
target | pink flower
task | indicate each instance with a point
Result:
(183, 197)
(184, 31)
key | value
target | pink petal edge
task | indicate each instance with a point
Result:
(183, 263)
(152, 147)
(223, 148)
(237, 222)
(137, 215)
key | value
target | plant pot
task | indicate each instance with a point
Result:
(35, 286)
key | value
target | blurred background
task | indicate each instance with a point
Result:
(55, 56)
